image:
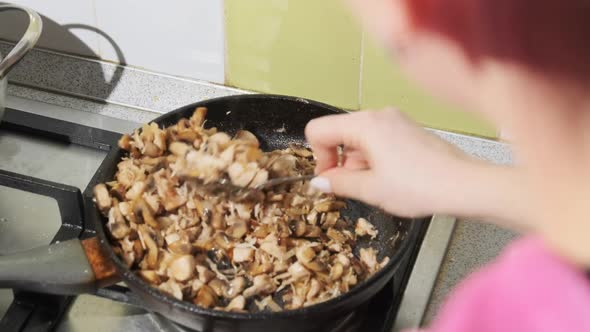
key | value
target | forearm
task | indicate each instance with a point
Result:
(492, 193)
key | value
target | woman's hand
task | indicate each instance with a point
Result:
(392, 163)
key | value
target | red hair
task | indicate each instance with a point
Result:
(548, 36)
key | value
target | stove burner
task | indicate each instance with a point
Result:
(41, 312)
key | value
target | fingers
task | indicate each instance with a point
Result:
(355, 184)
(333, 130)
(355, 160)
(326, 133)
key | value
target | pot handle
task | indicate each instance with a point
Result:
(27, 41)
(66, 268)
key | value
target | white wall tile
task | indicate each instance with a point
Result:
(180, 37)
(67, 25)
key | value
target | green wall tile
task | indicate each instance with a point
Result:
(308, 48)
(383, 85)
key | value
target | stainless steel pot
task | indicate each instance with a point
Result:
(20, 49)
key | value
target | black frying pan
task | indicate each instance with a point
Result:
(75, 266)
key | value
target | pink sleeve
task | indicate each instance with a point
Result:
(527, 289)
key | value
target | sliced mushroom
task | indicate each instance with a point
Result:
(173, 202)
(369, 258)
(241, 175)
(135, 191)
(151, 246)
(142, 209)
(238, 303)
(218, 221)
(260, 178)
(198, 117)
(125, 142)
(180, 247)
(189, 136)
(150, 276)
(305, 254)
(205, 275)
(153, 202)
(247, 154)
(336, 236)
(247, 137)
(236, 287)
(364, 227)
(298, 200)
(242, 254)
(179, 149)
(221, 241)
(273, 249)
(298, 227)
(237, 230)
(329, 205)
(312, 231)
(298, 271)
(151, 150)
(219, 286)
(182, 268)
(314, 289)
(301, 151)
(262, 285)
(118, 230)
(128, 173)
(196, 285)
(269, 303)
(172, 288)
(283, 165)
(331, 219)
(261, 231)
(316, 266)
(218, 142)
(257, 268)
(336, 271)
(206, 297)
(244, 211)
(102, 197)
(138, 250)
(125, 209)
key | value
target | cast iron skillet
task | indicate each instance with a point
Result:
(75, 266)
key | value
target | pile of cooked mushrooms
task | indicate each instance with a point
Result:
(288, 248)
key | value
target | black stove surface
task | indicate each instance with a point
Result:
(39, 312)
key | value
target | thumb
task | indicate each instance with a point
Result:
(349, 183)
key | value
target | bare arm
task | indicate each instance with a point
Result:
(393, 163)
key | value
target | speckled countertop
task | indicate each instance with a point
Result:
(136, 96)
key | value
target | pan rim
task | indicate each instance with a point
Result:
(131, 276)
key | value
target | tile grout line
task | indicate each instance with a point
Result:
(361, 65)
(225, 44)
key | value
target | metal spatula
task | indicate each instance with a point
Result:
(225, 187)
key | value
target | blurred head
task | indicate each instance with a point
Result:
(525, 65)
(464, 49)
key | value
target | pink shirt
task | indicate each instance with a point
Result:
(528, 288)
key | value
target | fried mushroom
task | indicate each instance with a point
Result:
(218, 251)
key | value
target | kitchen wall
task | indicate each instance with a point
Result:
(180, 37)
(309, 48)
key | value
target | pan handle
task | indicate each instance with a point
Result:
(66, 268)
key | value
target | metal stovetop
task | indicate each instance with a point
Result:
(20, 226)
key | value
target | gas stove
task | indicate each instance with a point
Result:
(45, 164)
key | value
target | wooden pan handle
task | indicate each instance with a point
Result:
(103, 268)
